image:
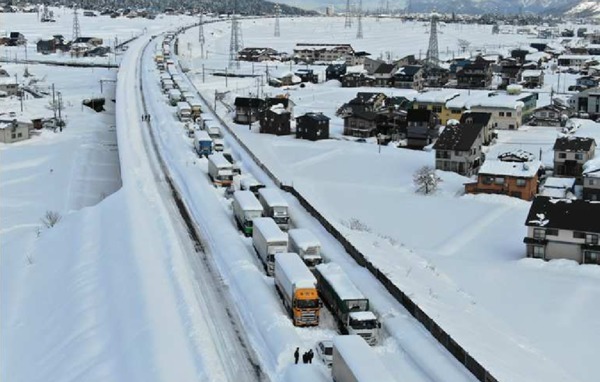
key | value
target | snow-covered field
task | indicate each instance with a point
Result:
(460, 257)
(112, 292)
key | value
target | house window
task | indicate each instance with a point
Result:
(592, 257)
(551, 232)
(578, 235)
(488, 179)
(501, 114)
(579, 156)
(521, 182)
(457, 153)
(13, 136)
(591, 238)
(437, 109)
(508, 114)
(539, 233)
(562, 155)
(19, 135)
(511, 127)
(422, 107)
(499, 180)
(537, 252)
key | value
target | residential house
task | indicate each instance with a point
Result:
(532, 78)
(92, 41)
(284, 100)
(247, 110)
(435, 77)
(367, 101)
(558, 188)
(422, 127)
(436, 101)
(507, 109)
(362, 124)
(509, 71)
(576, 60)
(571, 153)
(587, 101)
(483, 119)
(258, 54)
(409, 77)
(52, 45)
(409, 60)
(309, 75)
(356, 58)
(275, 120)
(587, 82)
(551, 115)
(335, 72)
(9, 86)
(312, 126)
(309, 53)
(383, 75)
(14, 131)
(391, 124)
(458, 149)
(16, 39)
(563, 229)
(477, 75)
(517, 179)
(355, 80)
(371, 65)
(519, 55)
(591, 184)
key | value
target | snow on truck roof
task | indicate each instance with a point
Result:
(295, 269)
(303, 238)
(273, 197)
(269, 229)
(201, 135)
(363, 316)
(247, 200)
(339, 281)
(361, 359)
(219, 161)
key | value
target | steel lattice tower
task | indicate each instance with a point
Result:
(277, 13)
(76, 27)
(201, 39)
(432, 59)
(236, 39)
(348, 22)
(359, 31)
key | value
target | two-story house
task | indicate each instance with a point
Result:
(409, 77)
(591, 184)
(563, 229)
(275, 120)
(587, 101)
(477, 75)
(436, 101)
(312, 126)
(483, 119)
(458, 149)
(517, 179)
(571, 153)
(384, 75)
(532, 78)
(362, 124)
(422, 127)
(247, 110)
(551, 115)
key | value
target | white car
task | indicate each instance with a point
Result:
(325, 352)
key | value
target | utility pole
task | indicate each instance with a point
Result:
(359, 32)
(76, 27)
(54, 102)
(277, 12)
(201, 39)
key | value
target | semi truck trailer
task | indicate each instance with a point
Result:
(268, 240)
(355, 361)
(246, 208)
(305, 244)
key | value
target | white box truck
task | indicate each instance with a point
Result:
(297, 288)
(355, 361)
(174, 96)
(203, 144)
(245, 209)
(220, 170)
(213, 128)
(249, 183)
(275, 206)
(305, 244)
(184, 111)
(347, 304)
(268, 240)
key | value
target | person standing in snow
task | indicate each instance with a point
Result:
(310, 356)
(296, 355)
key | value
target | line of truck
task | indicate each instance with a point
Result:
(293, 258)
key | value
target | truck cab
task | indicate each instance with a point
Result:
(366, 325)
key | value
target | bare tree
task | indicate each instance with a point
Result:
(463, 45)
(426, 180)
(51, 218)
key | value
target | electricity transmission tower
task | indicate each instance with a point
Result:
(236, 38)
(201, 39)
(76, 27)
(277, 13)
(432, 59)
(348, 22)
(359, 31)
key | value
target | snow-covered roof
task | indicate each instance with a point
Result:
(269, 229)
(437, 96)
(363, 316)
(524, 156)
(278, 109)
(303, 238)
(247, 200)
(487, 99)
(295, 270)
(554, 182)
(272, 197)
(339, 281)
(532, 73)
(555, 193)
(219, 161)
(361, 359)
(537, 56)
(514, 169)
(584, 57)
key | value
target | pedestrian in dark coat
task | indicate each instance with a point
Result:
(310, 356)
(296, 355)
(305, 357)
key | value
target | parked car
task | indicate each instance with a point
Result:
(325, 352)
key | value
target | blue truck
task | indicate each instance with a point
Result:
(203, 144)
